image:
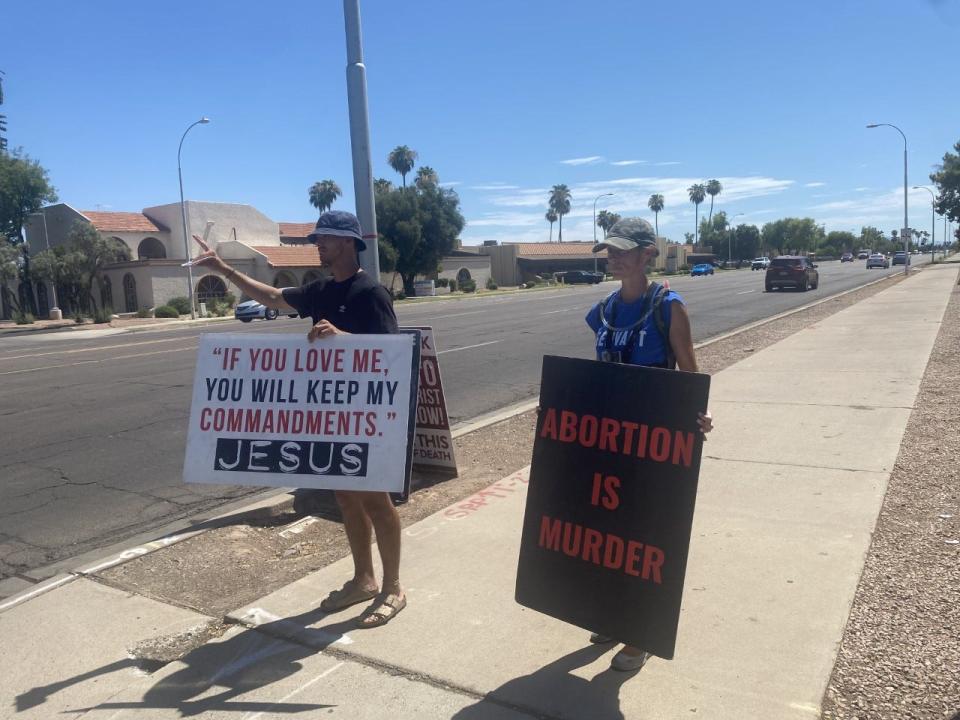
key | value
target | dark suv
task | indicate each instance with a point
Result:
(577, 277)
(792, 271)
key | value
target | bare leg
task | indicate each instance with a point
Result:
(357, 525)
(386, 523)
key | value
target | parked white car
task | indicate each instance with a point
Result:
(760, 263)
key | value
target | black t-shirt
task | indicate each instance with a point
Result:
(358, 305)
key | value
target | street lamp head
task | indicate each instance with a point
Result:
(873, 125)
(204, 120)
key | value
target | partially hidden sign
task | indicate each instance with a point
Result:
(277, 410)
(433, 443)
(612, 489)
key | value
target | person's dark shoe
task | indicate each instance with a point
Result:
(623, 662)
(598, 639)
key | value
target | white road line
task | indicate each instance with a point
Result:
(300, 689)
(746, 292)
(554, 312)
(94, 362)
(469, 347)
(473, 312)
(92, 349)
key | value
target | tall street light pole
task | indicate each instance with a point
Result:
(183, 217)
(906, 225)
(595, 225)
(360, 138)
(55, 310)
(933, 218)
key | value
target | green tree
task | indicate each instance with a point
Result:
(655, 203)
(323, 194)
(871, 238)
(426, 177)
(838, 242)
(947, 180)
(792, 235)
(421, 226)
(560, 203)
(697, 194)
(3, 119)
(24, 189)
(402, 159)
(78, 264)
(606, 220)
(746, 242)
(551, 217)
(689, 238)
(713, 189)
(382, 185)
(10, 260)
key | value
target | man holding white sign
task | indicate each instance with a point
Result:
(347, 302)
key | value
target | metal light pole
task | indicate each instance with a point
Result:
(183, 217)
(46, 239)
(933, 218)
(360, 138)
(595, 225)
(906, 224)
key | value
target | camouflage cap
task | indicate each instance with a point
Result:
(627, 234)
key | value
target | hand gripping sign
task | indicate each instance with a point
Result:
(612, 488)
(278, 410)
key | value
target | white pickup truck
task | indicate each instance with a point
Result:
(760, 263)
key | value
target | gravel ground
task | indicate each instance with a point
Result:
(900, 653)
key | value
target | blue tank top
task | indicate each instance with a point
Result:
(641, 345)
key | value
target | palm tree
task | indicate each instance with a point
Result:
(551, 218)
(402, 160)
(697, 194)
(655, 203)
(713, 189)
(382, 186)
(323, 194)
(560, 204)
(606, 220)
(426, 177)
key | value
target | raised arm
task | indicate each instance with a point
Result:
(261, 292)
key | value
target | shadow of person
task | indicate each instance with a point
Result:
(243, 663)
(555, 691)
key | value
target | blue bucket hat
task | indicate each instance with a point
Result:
(339, 224)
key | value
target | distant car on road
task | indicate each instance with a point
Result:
(792, 271)
(863, 255)
(251, 309)
(760, 263)
(901, 258)
(701, 269)
(846, 257)
(581, 277)
(877, 260)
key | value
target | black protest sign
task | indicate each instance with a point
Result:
(612, 489)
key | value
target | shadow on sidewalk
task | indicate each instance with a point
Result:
(242, 664)
(597, 698)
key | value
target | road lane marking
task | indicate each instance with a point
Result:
(745, 292)
(93, 349)
(473, 312)
(469, 347)
(94, 362)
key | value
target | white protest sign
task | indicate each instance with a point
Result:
(278, 410)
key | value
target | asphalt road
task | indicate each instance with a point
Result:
(93, 424)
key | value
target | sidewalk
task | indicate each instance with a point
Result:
(792, 480)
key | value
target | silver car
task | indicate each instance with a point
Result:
(878, 261)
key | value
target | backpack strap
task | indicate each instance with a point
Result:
(662, 328)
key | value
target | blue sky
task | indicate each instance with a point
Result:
(503, 98)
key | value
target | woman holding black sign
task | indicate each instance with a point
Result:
(642, 323)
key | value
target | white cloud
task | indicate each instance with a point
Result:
(861, 189)
(621, 163)
(452, 183)
(592, 160)
(884, 210)
(495, 186)
(668, 162)
(814, 184)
